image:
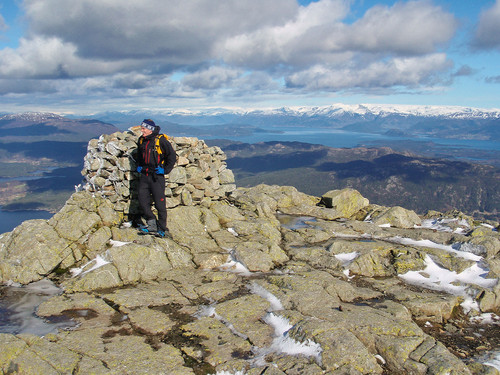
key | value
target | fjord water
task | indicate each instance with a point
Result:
(340, 138)
(11, 219)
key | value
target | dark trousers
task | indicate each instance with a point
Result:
(153, 186)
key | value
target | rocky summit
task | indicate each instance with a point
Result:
(262, 280)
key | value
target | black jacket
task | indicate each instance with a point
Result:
(148, 157)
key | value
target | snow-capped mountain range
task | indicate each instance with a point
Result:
(401, 120)
(373, 110)
(331, 111)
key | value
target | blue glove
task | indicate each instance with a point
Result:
(139, 169)
(159, 170)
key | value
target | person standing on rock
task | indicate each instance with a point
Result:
(155, 158)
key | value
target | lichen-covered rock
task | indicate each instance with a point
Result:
(223, 343)
(136, 263)
(149, 321)
(57, 305)
(104, 277)
(28, 354)
(346, 201)
(246, 315)
(32, 251)
(398, 217)
(254, 256)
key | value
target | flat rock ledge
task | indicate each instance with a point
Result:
(266, 281)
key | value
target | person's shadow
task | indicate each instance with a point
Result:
(134, 211)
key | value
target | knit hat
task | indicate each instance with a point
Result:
(148, 124)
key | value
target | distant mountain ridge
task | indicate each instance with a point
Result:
(42, 126)
(394, 120)
(380, 174)
(333, 110)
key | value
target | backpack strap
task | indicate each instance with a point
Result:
(157, 144)
(158, 150)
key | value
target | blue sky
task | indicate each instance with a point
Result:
(86, 56)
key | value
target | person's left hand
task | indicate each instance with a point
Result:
(159, 170)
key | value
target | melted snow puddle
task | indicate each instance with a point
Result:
(18, 306)
(295, 222)
(18, 303)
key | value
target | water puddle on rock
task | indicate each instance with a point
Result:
(18, 305)
(295, 222)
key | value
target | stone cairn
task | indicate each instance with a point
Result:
(199, 175)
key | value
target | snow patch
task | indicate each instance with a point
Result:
(94, 264)
(283, 343)
(117, 243)
(494, 360)
(486, 318)
(440, 279)
(232, 265)
(347, 258)
(433, 245)
(264, 293)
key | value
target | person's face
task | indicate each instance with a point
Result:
(145, 131)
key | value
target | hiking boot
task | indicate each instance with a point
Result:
(151, 226)
(163, 234)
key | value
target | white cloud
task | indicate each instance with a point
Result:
(409, 71)
(318, 35)
(178, 32)
(413, 27)
(49, 58)
(488, 30)
(290, 43)
(212, 78)
(131, 49)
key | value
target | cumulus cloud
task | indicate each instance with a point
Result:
(297, 41)
(214, 77)
(318, 34)
(415, 27)
(180, 32)
(488, 30)
(409, 71)
(129, 48)
(49, 58)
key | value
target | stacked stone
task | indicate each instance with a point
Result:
(200, 174)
